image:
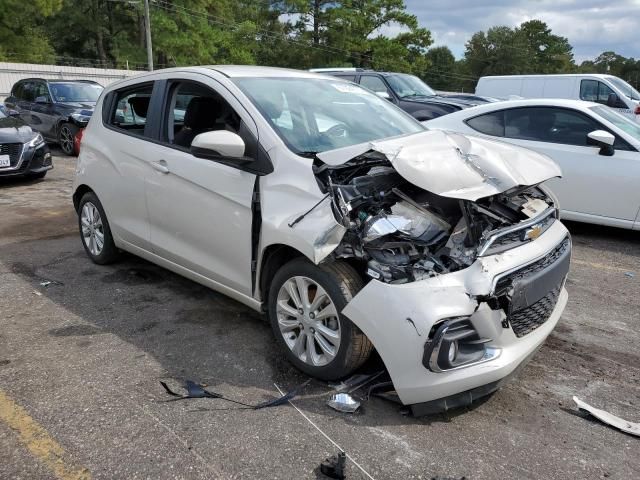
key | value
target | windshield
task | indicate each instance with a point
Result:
(409, 86)
(75, 92)
(314, 115)
(625, 88)
(620, 121)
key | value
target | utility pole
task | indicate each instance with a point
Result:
(147, 28)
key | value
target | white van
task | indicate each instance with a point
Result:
(605, 89)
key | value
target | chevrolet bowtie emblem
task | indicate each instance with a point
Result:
(533, 233)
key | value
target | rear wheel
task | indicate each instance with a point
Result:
(305, 305)
(66, 138)
(94, 230)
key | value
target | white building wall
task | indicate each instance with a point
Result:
(10, 73)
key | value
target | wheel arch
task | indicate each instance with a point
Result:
(81, 190)
(273, 257)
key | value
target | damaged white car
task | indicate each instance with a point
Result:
(345, 220)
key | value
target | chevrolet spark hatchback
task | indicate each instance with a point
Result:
(343, 218)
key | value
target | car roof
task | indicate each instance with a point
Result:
(555, 75)
(531, 102)
(56, 80)
(234, 71)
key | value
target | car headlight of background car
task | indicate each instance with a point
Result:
(81, 118)
(36, 142)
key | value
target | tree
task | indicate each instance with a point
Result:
(441, 71)
(22, 37)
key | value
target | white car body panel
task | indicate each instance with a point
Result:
(193, 217)
(593, 188)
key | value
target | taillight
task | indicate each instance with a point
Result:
(637, 111)
(77, 140)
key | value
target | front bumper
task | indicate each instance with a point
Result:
(28, 160)
(399, 318)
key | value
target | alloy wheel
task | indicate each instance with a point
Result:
(308, 321)
(92, 228)
(66, 140)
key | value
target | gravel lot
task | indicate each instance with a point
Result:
(83, 358)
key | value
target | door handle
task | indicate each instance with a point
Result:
(160, 166)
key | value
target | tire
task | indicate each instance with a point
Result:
(66, 138)
(338, 282)
(89, 225)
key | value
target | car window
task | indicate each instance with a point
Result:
(75, 92)
(373, 83)
(595, 91)
(129, 111)
(28, 92)
(18, 91)
(40, 90)
(489, 123)
(549, 124)
(193, 109)
(623, 123)
(406, 86)
(314, 115)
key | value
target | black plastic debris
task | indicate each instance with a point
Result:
(355, 382)
(333, 467)
(196, 390)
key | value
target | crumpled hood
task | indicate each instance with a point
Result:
(455, 165)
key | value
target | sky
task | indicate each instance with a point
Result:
(592, 26)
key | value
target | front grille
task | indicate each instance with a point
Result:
(527, 319)
(507, 238)
(13, 150)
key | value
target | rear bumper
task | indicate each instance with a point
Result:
(399, 320)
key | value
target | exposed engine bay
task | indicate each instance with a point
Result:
(399, 233)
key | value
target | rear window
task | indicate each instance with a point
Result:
(129, 109)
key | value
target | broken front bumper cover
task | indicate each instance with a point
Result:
(400, 319)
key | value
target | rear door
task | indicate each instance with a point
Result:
(592, 184)
(200, 211)
(119, 161)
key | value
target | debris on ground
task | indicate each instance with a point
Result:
(333, 467)
(355, 382)
(609, 419)
(46, 283)
(630, 274)
(343, 402)
(196, 390)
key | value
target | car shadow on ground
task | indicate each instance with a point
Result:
(193, 332)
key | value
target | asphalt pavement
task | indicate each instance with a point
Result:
(81, 359)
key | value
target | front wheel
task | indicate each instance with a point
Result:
(305, 305)
(67, 138)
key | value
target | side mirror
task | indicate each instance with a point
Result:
(42, 99)
(219, 144)
(613, 101)
(383, 94)
(602, 139)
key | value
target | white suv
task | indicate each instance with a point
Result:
(344, 219)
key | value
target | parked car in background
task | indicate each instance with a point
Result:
(406, 91)
(55, 108)
(336, 213)
(604, 89)
(596, 147)
(23, 152)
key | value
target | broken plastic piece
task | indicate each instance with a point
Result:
(333, 467)
(630, 274)
(195, 390)
(343, 402)
(354, 382)
(609, 419)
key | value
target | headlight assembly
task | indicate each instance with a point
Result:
(36, 141)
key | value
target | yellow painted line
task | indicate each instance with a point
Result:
(600, 266)
(38, 441)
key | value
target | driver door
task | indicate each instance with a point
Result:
(200, 211)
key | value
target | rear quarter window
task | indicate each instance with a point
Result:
(489, 123)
